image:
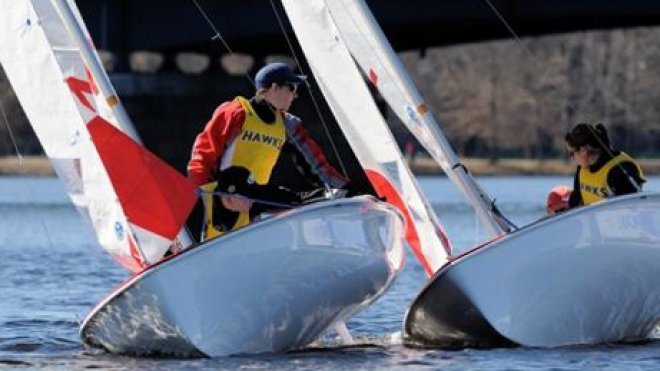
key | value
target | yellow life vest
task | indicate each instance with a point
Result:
(256, 148)
(593, 185)
(210, 231)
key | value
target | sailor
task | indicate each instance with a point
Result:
(602, 171)
(240, 146)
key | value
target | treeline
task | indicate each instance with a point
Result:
(508, 99)
(501, 99)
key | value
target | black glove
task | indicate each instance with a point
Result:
(234, 180)
(239, 181)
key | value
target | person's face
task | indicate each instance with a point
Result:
(580, 155)
(282, 96)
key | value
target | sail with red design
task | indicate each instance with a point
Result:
(365, 128)
(135, 202)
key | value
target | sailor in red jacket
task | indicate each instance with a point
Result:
(244, 139)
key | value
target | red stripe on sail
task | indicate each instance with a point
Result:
(373, 77)
(135, 253)
(133, 262)
(153, 195)
(128, 262)
(385, 189)
(446, 243)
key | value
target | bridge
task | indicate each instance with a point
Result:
(170, 107)
(251, 27)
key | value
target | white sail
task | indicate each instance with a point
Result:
(365, 128)
(107, 101)
(370, 48)
(115, 184)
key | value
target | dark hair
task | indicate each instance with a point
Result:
(587, 134)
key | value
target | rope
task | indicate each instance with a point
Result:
(217, 36)
(401, 90)
(568, 102)
(309, 89)
(201, 192)
(522, 45)
(11, 135)
(603, 145)
(23, 175)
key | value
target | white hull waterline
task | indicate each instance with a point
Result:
(273, 286)
(588, 276)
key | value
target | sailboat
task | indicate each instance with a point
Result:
(275, 285)
(587, 276)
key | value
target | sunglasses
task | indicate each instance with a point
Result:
(292, 87)
(572, 151)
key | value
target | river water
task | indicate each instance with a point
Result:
(52, 273)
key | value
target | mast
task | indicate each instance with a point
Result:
(373, 53)
(79, 34)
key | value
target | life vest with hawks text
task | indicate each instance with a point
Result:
(593, 185)
(257, 146)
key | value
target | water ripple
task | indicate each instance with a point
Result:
(52, 272)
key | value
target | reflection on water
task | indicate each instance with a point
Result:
(52, 273)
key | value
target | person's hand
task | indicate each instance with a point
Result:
(237, 204)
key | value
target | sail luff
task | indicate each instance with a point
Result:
(34, 65)
(374, 54)
(365, 128)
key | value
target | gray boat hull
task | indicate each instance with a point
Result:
(588, 276)
(274, 286)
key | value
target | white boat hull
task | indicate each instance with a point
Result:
(589, 276)
(273, 286)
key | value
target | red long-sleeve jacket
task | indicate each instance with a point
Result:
(224, 126)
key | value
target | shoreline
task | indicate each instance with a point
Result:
(484, 167)
(40, 166)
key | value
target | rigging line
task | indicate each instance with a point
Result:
(399, 85)
(632, 180)
(201, 192)
(11, 135)
(218, 36)
(568, 103)
(309, 89)
(31, 191)
(403, 92)
(522, 45)
(400, 88)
